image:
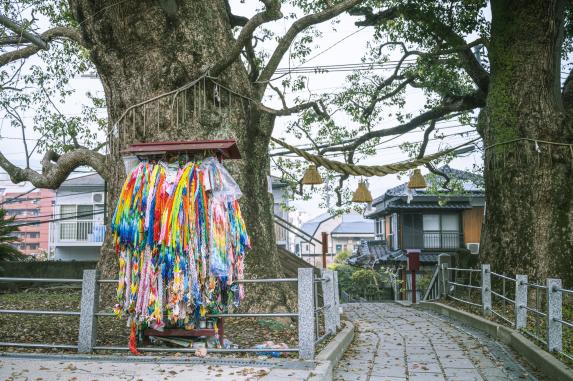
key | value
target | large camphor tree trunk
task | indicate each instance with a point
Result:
(142, 50)
(528, 226)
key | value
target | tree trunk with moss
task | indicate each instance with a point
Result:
(142, 50)
(528, 225)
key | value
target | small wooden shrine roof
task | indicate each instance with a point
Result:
(227, 149)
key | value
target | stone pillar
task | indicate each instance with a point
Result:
(88, 309)
(329, 301)
(554, 316)
(520, 301)
(486, 289)
(306, 334)
(337, 298)
(444, 260)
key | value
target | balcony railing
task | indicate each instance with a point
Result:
(80, 231)
(442, 240)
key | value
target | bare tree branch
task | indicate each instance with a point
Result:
(469, 62)
(426, 139)
(317, 106)
(465, 103)
(271, 12)
(56, 168)
(55, 33)
(297, 27)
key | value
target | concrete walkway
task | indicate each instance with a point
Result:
(50, 368)
(396, 343)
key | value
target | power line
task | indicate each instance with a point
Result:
(51, 197)
(17, 197)
(311, 146)
(60, 219)
(345, 67)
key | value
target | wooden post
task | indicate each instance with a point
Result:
(413, 286)
(324, 248)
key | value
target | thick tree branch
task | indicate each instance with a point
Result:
(56, 168)
(457, 43)
(55, 33)
(297, 27)
(252, 60)
(454, 104)
(271, 12)
(426, 139)
(317, 106)
(234, 19)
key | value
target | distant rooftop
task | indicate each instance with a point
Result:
(93, 180)
(350, 223)
(355, 227)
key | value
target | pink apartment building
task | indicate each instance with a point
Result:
(31, 210)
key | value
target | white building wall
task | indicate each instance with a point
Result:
(77, 253)
(82, 250)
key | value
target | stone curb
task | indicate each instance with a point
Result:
(332, 353)
(551, 367)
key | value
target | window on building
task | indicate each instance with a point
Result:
(441, 231)
(77, 221)
(33, 246)
(338, 248)
(380, 228)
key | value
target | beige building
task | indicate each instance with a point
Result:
(344, 232)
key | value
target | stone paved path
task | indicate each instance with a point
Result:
(396, 343)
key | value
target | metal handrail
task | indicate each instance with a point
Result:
(503, 297)
(469, 270)
(42, 280)
(464, 285)
(564, 322)
(564, 290)
(535, 285)
(464, 301)
(40, 312)
(502, 317)
(503, 276)
(254, 314)
(534, 310)
(270, 280)
(103, 313)
(26, 345)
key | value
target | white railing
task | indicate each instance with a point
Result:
(79, 231)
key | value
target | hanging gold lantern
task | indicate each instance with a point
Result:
(311, 176)
(362, 194)
(417, 181)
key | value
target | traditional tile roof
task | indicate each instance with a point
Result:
(396, 198)
(355, 227)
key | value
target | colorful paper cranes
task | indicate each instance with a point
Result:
(181, 240)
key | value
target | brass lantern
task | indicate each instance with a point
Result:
(311, 176)
(362, 194)
(417, 181)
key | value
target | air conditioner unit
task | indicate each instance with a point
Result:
(473, 248)
(97, 197)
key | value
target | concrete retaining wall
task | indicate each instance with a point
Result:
(45, 269)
